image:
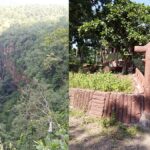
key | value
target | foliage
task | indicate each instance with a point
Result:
(108, 122)
(34, 80)
(117, 129)
(120, 131)
(82, 11)
(53, 143)
(117, 25)
(76, 113)
(100, 81)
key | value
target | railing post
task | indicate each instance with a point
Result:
(146, 49)
(147, 80)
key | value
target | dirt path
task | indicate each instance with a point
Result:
(89, 136)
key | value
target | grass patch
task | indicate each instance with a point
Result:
(101, 81)
(117, 130)
(76, 113)
(109, 127)
(120, 131)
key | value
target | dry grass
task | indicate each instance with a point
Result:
(88, 133)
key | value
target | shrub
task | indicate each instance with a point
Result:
(108, 122)
(100, 81)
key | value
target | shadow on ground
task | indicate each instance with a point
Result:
(81, 138)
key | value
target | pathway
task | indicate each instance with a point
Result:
(90, 137)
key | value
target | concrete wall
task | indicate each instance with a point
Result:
(127, 107)
(140, 79)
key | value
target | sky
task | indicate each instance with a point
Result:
(22, 2)
(146, 2)
(61, 2)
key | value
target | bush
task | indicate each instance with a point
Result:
(118, 130)
(108, 122)
(100, 81)
(53, 143)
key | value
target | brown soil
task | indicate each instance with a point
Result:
(89, 137)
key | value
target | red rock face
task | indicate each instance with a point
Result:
(10, 66)
(127, 108)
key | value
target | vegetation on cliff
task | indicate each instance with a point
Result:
(34, 80)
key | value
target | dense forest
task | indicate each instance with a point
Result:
(33, 77)
(104, 31)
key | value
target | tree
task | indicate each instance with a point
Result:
(80, 12)
(119, 25)
(34, 71)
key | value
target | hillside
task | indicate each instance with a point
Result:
(33, 73)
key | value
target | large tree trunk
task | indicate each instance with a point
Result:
(80, 51)
(81, 55)
(125, 69)
(126, 65)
